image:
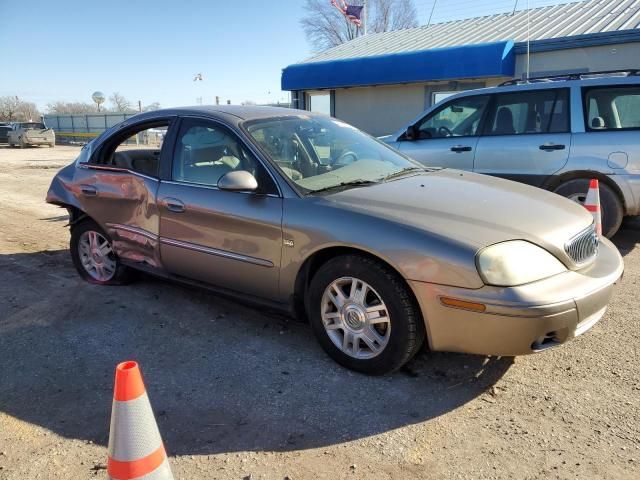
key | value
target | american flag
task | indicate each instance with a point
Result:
(352, 12)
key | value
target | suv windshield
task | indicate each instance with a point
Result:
(31, 126)
(319, 153)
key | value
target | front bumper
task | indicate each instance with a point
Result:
(524, 319)
(38, 140)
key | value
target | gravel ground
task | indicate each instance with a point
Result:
(239, 393)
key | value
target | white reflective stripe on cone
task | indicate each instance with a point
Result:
(134, 433)
(163, 472)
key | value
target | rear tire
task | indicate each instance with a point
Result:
(387, 338)
(610, 203)
(94, 258)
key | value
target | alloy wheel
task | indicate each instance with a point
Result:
(355, 318)
(97, 256)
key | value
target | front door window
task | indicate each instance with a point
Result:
(459, 118)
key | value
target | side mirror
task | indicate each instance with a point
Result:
(411, 133)
(238, 181)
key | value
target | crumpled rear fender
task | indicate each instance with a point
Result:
(60, 192)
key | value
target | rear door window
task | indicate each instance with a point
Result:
(527, 112)
(137, 149)
(612, 108)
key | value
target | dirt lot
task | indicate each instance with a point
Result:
(242, 394)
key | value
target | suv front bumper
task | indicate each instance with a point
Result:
(524, 319)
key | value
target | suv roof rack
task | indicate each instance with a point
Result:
(573, 76)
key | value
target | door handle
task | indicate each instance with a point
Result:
(548, 147)
(89, 190)
(174, 205)
(460, 148)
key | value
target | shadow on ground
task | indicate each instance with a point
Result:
(628, 236)
(222, 377)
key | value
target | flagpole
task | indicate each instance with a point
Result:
(364, 18)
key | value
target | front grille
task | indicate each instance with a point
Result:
(584, 246)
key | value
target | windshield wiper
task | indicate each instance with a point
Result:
(402, 172)
(352, 183)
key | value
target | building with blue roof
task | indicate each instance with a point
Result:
(380, 81)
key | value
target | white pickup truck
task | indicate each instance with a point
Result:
(31, 133)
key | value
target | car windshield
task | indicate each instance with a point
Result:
(321, 153)
(32, 126)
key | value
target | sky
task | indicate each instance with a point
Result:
(150, 50)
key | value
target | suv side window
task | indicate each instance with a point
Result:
(459, 118)
(540, 111)
(612, 108)
(205, 151)
(137, 149)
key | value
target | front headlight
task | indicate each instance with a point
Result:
(516, 262)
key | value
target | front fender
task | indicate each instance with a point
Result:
(415, 254)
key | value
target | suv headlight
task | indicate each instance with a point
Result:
(516, 262)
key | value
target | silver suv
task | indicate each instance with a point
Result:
(553, 132)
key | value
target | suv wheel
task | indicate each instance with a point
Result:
(364, 316)
(610, 203)
(94, 258)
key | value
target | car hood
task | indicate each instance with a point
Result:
(472, 209)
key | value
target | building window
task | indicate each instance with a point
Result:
(439, 96)
(319, 102)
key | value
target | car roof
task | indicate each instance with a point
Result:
(242, 112)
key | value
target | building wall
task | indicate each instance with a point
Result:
(576, 60)
(380, 110)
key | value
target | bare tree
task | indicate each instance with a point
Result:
(28, 111)
(9, 106)
(325, 27)
(151, 107)
(120, 103)
(14, 109)
(248, 102)
(63, 108)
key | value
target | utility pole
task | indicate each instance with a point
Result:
(139, 105)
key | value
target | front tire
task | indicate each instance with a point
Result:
(93, 256)
(611, 206)
(364, 315)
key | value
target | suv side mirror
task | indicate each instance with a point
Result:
(238, 181)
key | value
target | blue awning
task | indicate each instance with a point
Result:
(451, 63)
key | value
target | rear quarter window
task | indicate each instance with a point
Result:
(612, 108)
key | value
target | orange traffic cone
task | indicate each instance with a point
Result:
(135, 446)
(592, 203)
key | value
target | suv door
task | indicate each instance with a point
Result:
(526, 136)
(447, 137)
(229, 239)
